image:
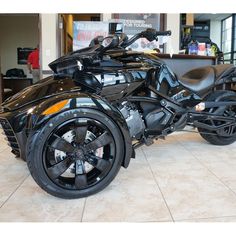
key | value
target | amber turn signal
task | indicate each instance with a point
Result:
(55, 108)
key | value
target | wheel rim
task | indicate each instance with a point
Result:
(79, 153)
(229, 111)
(230, 130)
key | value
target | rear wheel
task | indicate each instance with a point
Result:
(75, 154)
(226, 135)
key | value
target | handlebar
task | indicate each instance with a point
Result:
(150, 34)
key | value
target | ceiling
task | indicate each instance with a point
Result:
(210, 16)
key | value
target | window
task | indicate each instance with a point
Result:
(228, 39)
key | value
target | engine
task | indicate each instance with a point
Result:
(153, 118)
(133, 119)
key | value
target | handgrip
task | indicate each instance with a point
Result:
(151, 34)
(163, 33)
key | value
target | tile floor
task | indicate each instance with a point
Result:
(180, 179)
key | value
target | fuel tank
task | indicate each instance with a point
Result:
(111, 84)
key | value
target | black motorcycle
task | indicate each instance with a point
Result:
(77, 128)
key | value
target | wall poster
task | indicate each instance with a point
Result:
(22, 55)
(130, 24)
(85, 31)
(135, 23)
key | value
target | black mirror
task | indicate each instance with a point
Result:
(97, 40)
(110, 42)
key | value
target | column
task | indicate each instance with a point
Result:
(173, 24)
(105, 16)
(48, 42)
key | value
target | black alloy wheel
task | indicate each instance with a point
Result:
(77, 156)
(225, 135)
(79, 153)
(229, 131)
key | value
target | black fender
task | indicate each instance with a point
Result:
(85, 101)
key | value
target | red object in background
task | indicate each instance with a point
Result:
(33, 59)
(201, 49)
(88, 36)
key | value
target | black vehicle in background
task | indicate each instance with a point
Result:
(77, 128)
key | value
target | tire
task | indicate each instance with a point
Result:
(89, 153)
(215, 138)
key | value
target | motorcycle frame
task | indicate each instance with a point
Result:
(192, 116)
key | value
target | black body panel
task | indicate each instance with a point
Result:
(48, 87)
(21, 122)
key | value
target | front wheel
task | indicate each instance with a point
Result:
(76, 154)
(223, 136)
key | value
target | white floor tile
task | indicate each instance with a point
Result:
(32, 204)
(133, 196)
(194, 178)
(191, 191)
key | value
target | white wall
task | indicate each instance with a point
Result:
(173, 24)
(48, 39)
(16, 31)
(106, 16)
(215, 32)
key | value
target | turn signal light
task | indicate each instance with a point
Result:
(55, 108)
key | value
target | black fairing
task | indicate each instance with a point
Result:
(67, 64)
(47, 87)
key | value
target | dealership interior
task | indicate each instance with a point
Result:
(180, 179)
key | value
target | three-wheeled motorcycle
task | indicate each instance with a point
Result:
(77, 127)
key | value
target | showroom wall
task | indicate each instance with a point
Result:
(16, 31)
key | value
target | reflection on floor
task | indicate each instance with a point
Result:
(180, 179)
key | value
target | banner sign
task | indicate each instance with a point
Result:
(130, 24)
(135, 23)
(85, 31)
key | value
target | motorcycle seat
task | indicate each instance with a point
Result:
(201, 79)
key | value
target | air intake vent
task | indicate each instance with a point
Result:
(10, 137)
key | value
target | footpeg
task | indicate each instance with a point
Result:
(148, 141)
